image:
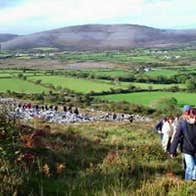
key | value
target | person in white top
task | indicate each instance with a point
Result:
(167, 131)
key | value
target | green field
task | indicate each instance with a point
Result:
(146, 85)
(161, 72)
(155, 86)
(7, 75)
(102, 72)
(136, 56)
(147, 98)
(125, 57)
(15, 73)
(20, 86)
(87, 85)
(75, 84)
(163, 62)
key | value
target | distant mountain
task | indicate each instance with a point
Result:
(102, 37)
(6, 37)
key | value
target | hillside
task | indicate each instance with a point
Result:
(87, 159)
(102, 37)
(6, 37)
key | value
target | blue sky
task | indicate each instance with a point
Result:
(28, 16)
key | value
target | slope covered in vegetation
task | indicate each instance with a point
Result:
(86, 159)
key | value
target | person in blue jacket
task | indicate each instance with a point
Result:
(186, 135)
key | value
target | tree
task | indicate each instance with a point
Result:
(38, 81)
(20, 75)
(191, 85)
(58, 88)
(174, 88)
(166, 106)
(24, 77)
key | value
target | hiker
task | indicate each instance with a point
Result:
(185, 110)
(46, 107)
(56, 108)
(18, 109)
(36, 107)
(186, 134)
(23, 107)
(122, 117)
(167, 131)
(70, 109)
(181, 119)
(29, 105)
(131, 118)
(76, 111)
(114, 117)
(159, 125)
(64, 108)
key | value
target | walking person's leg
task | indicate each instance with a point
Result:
(194, 171)
(164, 142)
(183, 165)
(190, 166)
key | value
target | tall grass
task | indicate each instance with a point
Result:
(88, 159)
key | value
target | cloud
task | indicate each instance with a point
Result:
(5, 4)
(25, 16)
(63, 12)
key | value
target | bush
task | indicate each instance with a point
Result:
(38, 81)
(191, 84)
(20, 75)
(166, 106)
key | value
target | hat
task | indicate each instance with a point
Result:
(186, 108)
(192, 112)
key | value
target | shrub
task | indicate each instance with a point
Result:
(166, 106)
(38, 81)
(191, 84)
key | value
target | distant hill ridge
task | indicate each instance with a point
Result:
(100, 37)
(5, 37)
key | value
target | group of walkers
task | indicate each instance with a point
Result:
(69, 114)
(180, 133)
(37, 108)
(50, 113)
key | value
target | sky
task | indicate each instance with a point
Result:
(29, 16)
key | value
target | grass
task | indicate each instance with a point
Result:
(127, 57)
(146, 85)
(88, 85)
(102, 72)
(171, 70)
(10, 73)
(24, 58)
(136, 56)
(2, 75)
(161, 72)
(155, 86)
(77, 84)
(20, 86)
(147, 98)
(99, 159)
